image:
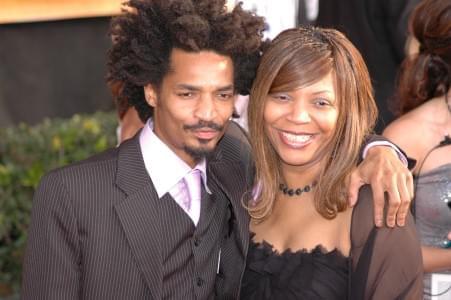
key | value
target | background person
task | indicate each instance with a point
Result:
(423, 131)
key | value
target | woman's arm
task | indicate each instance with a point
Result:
(387, 262)
(436, 259)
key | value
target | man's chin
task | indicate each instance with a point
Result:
(198, 153)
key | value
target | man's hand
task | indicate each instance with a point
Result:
(386, 173)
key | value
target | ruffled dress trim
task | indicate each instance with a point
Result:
(315, 274)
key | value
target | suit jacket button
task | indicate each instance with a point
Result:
(200, 281)
(196, 241)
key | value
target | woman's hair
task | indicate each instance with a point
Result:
(147, 31)
(427, 74)
(295, 59)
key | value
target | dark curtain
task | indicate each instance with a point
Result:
(53, 69)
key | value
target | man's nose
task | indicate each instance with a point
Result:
(206, 108)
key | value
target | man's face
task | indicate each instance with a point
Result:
(194, 103)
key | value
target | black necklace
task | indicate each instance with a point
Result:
(296, 192)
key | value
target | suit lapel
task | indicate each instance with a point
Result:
(139, 214)
(231, 179)
(209, 209)
(139, 211)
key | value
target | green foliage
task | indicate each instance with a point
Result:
(26, 153)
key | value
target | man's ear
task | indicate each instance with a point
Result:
(151, 95)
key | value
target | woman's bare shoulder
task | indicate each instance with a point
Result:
(412, 131)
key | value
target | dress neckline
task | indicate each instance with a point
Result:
(433, 171)
(317, 250)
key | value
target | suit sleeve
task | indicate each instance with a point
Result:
(51, 268)
(374, 140)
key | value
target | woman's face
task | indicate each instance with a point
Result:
(301, 122)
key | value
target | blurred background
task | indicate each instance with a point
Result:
(52, 58)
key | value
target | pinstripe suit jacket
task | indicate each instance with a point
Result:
(94, 231)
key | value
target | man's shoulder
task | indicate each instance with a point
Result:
(234, 146)
(234, 151)
(92, 167)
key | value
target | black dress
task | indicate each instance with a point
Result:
(383, 264)
(294, 275)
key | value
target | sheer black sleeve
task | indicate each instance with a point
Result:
(386, 262)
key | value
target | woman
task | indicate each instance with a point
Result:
(311, 107)
(424, 100)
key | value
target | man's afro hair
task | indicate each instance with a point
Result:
(147, 30)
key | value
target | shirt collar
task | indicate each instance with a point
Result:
(164, 167)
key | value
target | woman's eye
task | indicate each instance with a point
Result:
(322, 102)
(280, 97)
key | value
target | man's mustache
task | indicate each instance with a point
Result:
(203, 125)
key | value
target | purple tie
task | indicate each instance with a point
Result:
(192, 202)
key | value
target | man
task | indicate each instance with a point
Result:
(161, 216)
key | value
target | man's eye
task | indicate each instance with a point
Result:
(186, 95)
(225, 96)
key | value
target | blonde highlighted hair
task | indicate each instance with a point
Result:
(297, 58)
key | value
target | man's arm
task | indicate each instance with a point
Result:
(383, 169)
(51, 268)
